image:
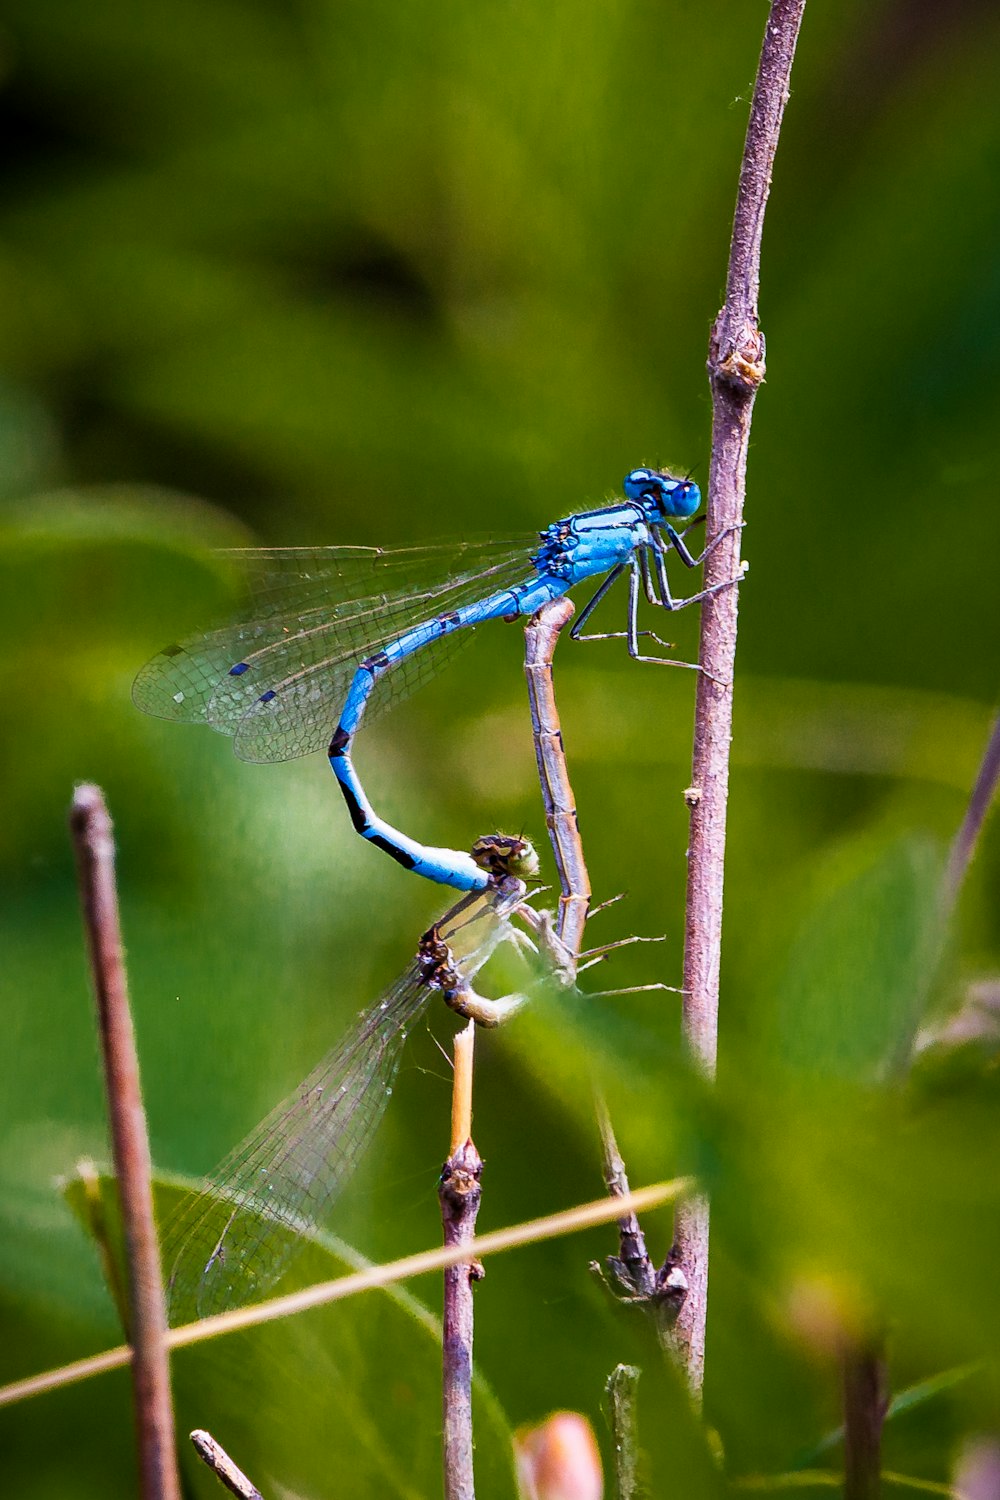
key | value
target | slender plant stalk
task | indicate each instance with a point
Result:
(865, 1406)
(460, 1194)
(217, 1459)
(464, 1050)
(632, 1242)
(563, 938)
(621, 1393)
(736, 368)
(541, 636)
(93, 842)
(964, 844)
(631, 1273)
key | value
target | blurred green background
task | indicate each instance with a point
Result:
(344, 272)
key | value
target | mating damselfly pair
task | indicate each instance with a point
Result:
(332, 634)
(353, 629)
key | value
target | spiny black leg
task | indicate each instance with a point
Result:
(676, 540)
(612, 635)
(647, 577)
(591, 605)
(632, 623)
(666, 598)
(633, 633)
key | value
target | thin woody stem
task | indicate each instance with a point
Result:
(865, 1407)
(964, 845)
(631, 1272)
(736, 368)
(217, 1459)
(460, 1194)
(93, 842)
(632, 1240)
(661, 1290)
(541, 635)
(464, 1047)
(622, 1403)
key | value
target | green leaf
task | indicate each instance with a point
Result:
(858, 974)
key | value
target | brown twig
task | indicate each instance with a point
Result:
(976, 1016)
(736, 368)
(562, 939)
(460, 1193)
(215, 1456)
(93, 842)
(541, 635)
(634, 1260)
(631, 1273)
(865, 1407)
(964, 844)
(621, 1393)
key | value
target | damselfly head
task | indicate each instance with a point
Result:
(664, 496)
(506, 854)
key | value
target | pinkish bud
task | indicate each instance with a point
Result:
(977, 1473)
(559, 1459)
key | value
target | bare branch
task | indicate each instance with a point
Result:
(736, 368)
(460, 1193)
(631, 1274)
(865, 1407)
(964, 845)
(541, 635)
(215, 1456)
(621, 1393)
(93, 842)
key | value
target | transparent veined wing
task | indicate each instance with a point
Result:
(284, 1177)
(292, 703)
(314, 575)
(238, 1236)
(304, 630)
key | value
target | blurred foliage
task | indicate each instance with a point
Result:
(343, 272)
(270, 1388)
